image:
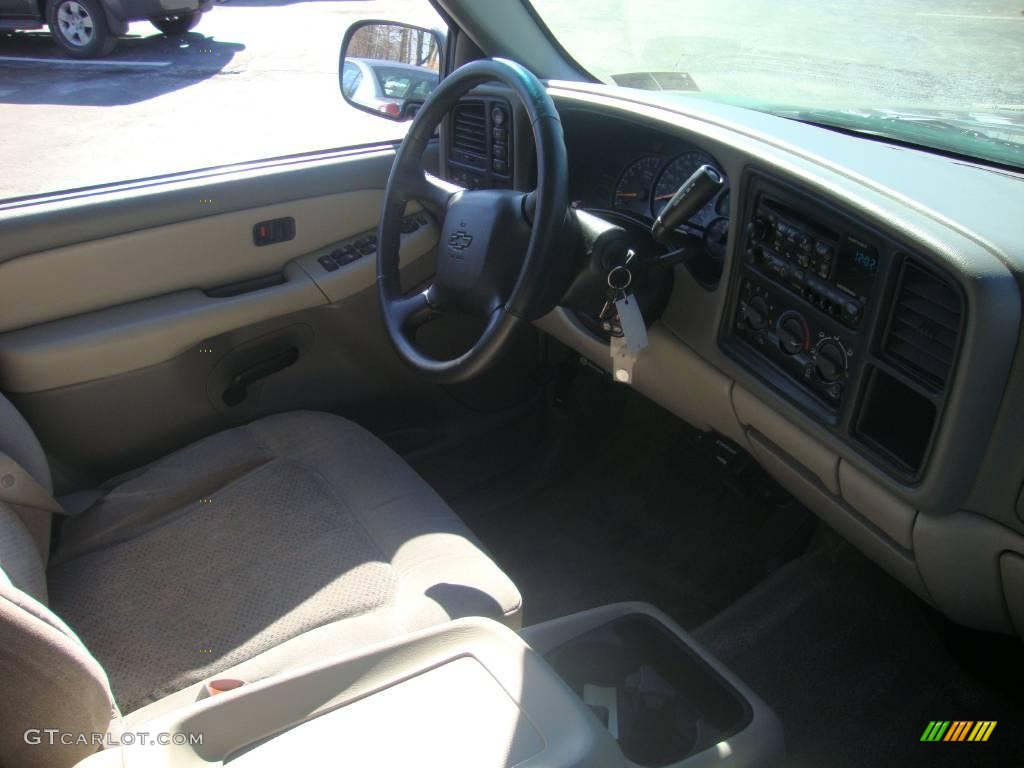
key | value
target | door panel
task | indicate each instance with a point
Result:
(201, 253)
(137, 320)
(126, 337)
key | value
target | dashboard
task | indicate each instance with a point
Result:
(860, 338)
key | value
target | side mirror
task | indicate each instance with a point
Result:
(388, 68)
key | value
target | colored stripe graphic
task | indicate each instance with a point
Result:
(935, 730)
(982, 730)
(958, 730)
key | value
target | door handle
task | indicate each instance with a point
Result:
(238, 389)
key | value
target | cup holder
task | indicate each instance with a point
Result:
(660, 699)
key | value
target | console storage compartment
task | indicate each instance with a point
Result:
(465, 693)
(665, 700)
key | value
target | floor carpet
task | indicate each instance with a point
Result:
(606, 497)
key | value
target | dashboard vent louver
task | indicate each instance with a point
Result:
(469, 127)
(925, 326)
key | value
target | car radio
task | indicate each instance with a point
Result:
(804, 289)
(836, 275)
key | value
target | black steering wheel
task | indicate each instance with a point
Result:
(499, 257)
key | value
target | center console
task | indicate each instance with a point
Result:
(474, 693)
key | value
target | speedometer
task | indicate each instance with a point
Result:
(672, 178)
(633, 192)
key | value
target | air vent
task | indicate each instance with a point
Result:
(469, 127)
(925, 325)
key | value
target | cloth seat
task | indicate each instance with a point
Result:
(264, 546)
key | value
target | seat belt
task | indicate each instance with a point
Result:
(30, 501)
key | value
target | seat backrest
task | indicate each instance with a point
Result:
(21, 454)
(49, 678)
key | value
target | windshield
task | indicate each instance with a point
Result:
(944, 74)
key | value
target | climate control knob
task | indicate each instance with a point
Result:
(792, 334)
(757, 313)
(830, 360)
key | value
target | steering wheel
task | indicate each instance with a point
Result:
(499, 256)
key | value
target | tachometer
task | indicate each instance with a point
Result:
(633, 192)
(675, 173)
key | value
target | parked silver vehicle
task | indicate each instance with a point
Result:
(386, 86)
(90, 28)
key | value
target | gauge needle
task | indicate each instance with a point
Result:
(626, 194)
(664, 197)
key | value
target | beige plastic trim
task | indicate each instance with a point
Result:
(844, 520)
(877, 505)
(794, 441)
(569, 735)
(201, 253)
(361, 274)
(133, 336)
(667, 371)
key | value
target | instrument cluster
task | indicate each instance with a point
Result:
(648, 182)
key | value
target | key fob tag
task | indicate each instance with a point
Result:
(634, 331)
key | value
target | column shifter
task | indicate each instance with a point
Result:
(696, 192)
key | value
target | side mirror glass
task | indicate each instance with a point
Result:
(389, 68)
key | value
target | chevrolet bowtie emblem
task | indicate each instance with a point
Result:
(460, 240)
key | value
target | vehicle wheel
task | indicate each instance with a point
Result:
(80, 27)
(177, 25)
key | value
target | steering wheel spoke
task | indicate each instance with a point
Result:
(411, 312)
(434, 193)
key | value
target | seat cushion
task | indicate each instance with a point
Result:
(257, 535)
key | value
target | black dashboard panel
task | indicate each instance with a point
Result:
(849, 325)
(481, 143)
(633, 169)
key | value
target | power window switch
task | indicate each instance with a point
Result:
(328, 263)
(346, 255)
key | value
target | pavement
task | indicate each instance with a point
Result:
(255, 79)
(258, 78)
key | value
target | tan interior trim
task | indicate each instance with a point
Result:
(125, 338)
(877, 504)
(201, 253)
(844, 520)
(797, 443)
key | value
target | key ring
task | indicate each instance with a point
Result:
(626, 278)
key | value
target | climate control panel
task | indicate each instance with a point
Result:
(812, 349)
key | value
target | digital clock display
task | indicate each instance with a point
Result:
(856, 267)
